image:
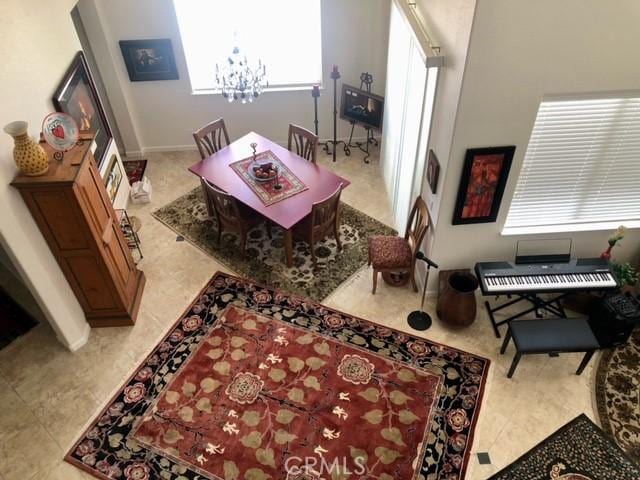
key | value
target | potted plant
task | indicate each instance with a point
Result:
(613, 240)
(626, 275)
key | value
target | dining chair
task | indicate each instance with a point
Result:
(209, 138)
(389, 253)
(231, 214)
(323, 220)
(304, 141)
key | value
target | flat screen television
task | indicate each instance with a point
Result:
(361, 107)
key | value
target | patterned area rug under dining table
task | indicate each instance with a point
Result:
(264, 260)
(254, 384)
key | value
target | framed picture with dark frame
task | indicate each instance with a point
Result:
(148, 60)
(77, 96)
(484, 176)
(433, 171)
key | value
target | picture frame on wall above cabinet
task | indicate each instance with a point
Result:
(113, 177)
(433, 171)
(77, 96)
(148, 60)
(484, 177)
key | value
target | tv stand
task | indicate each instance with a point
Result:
(366, 79)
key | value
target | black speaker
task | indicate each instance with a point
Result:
(614, 318)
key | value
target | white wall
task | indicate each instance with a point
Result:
(37, 45)
(519, 51)
(165, 113)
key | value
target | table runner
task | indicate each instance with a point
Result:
(266, 190)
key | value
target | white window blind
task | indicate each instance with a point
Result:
(284, 34)
(581, 170)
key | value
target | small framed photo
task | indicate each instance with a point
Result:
(113, 177)
(484, 176)
(149, 59)
(433, 171)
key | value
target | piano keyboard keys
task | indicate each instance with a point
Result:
(556, 281)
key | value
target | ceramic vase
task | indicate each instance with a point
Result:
(30, 157)
(606, 255)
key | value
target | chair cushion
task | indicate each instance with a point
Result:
(389, 252)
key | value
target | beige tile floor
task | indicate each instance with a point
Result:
(47, 394)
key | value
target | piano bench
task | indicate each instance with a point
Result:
(555, 335)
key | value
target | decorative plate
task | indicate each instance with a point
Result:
(60, 131)
(258, 179)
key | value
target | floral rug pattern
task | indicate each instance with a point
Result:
(264, 260)
(577, 451)
(251, 378)
(618, 394)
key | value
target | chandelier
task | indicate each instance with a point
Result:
(238, 80)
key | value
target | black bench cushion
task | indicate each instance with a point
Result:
(554, 334)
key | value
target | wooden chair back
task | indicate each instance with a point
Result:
(325, 214)
(417, 225)
(209, 138)
(224, 205)
(304, 141)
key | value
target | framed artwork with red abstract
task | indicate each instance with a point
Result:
(484, 177)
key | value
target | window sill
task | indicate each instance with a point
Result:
(578, 227)
(283, 88)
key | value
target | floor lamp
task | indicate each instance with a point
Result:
(419, 319)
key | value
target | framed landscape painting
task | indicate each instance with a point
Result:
(484, 176)
(77, 96)
(149, 59)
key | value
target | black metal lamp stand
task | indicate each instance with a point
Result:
(315, 93)
(335, 75)
(419, 319)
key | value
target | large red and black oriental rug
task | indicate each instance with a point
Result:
(253, 384)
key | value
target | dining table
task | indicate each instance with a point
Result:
(218, 169)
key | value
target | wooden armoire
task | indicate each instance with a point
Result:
(73, 211)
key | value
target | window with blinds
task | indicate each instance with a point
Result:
(284, 34)
(581, 170)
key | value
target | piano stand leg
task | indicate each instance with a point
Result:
(492, 318)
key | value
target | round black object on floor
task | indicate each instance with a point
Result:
(419, 320)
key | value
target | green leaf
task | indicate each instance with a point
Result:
(322, 349)
(188, 389)
(452, 373)
(398, 397)
(222, 368)
(238, 355)
(208, 385)
(406, 375)
(296, 395)
(251, 418)
(372, 394)
(377, 343)
(374, 416)
(407, 417)
(266, 457)
(231, 471)
(237, 342)
(282, 437)
(305, 339)
(251, 440)
(394, 435)
(312, 382)
(204, 405)
(214, 341)
(295, 364)
(115, 439)
(277, 374)
(171, 397)
(285, 416)
(172, 436)
(186, 414)
(249, 325)
(359, 453)
(215, 353)
(386, 456)
(358, 340)
(256, 474)
(315, 363)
